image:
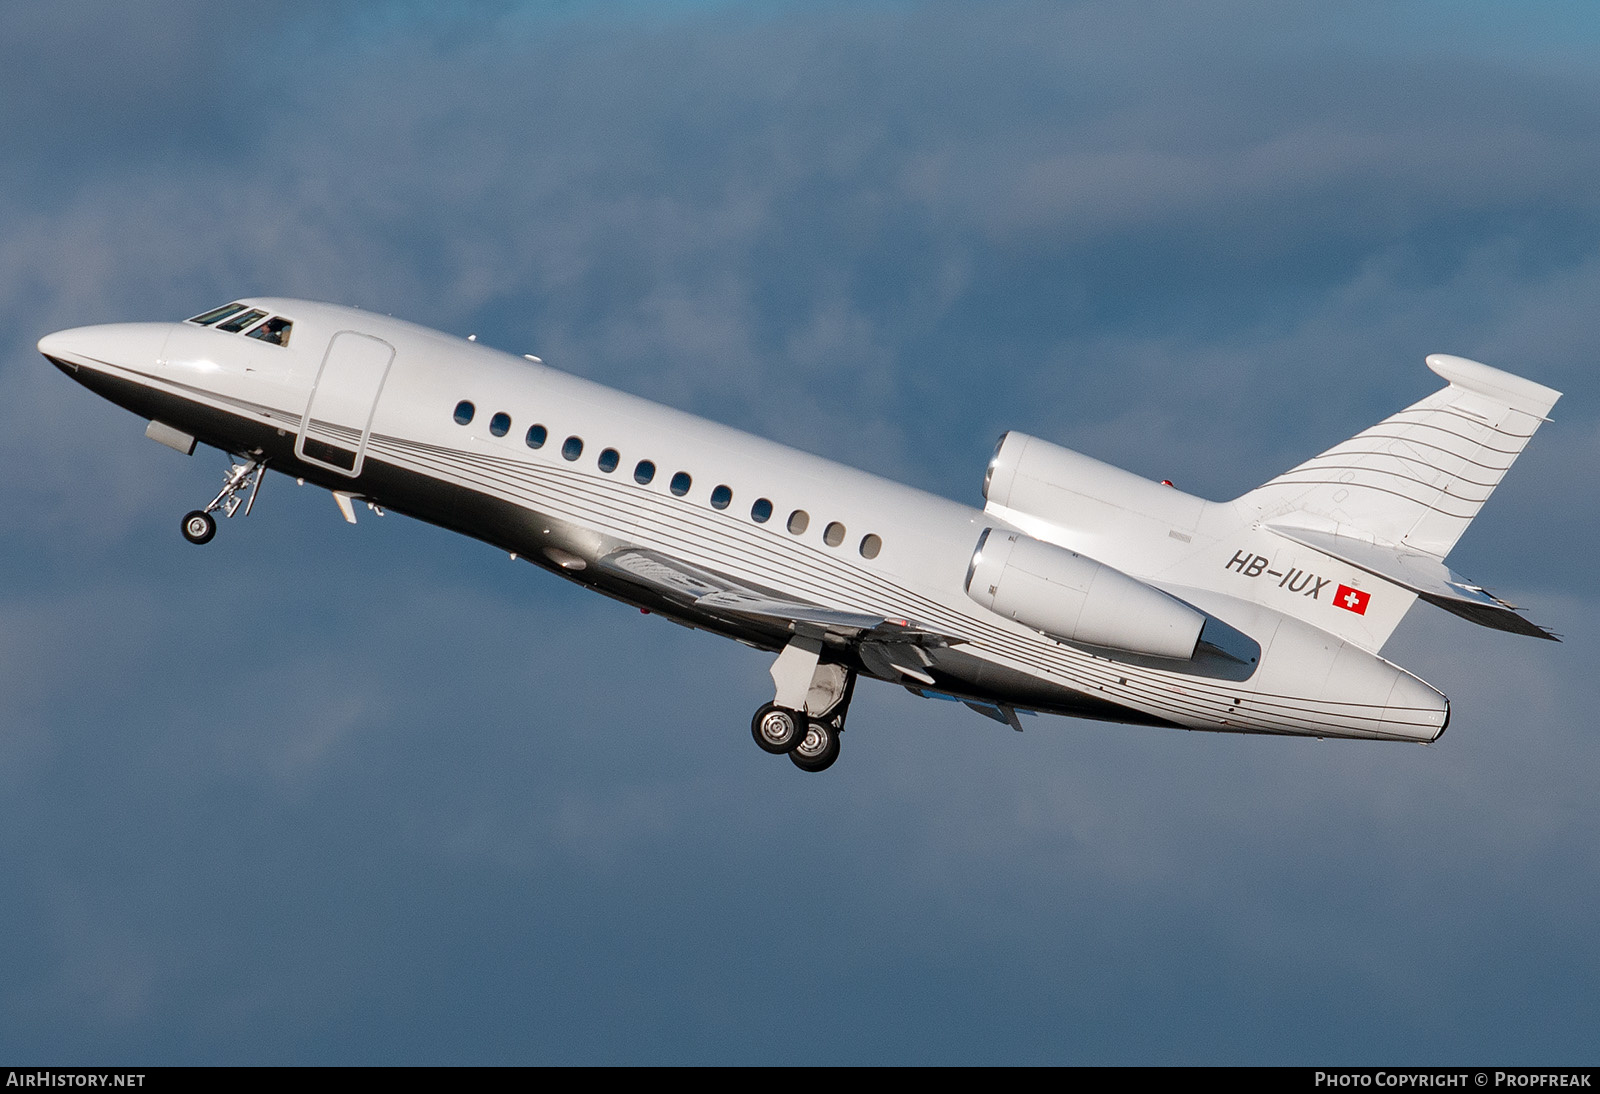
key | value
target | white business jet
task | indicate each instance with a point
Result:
(1078, 589)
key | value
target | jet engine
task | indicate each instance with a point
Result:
(1076, 492)
(1076, 599)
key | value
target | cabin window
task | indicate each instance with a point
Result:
(680, 483)
(799, 521)
(833, 534)
(609, 460)
(210, 317)
(761, 511)
(572, 449)
(240, 322)
(721, 497)
(870, 546)
(500, 424)
(644, 472)
(464, 412)
(537, 435)
(274, 332)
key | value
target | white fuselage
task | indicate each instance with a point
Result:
(835, 537)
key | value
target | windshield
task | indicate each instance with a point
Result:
(210, 317)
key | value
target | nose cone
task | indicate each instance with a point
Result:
(114, 347)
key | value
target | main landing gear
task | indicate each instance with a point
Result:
(806, 717)
(199, 525)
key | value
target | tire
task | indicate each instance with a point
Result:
(817, 749)
(777, 729)
(199, 527)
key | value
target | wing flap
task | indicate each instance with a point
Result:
(791, 611)
(703, 590)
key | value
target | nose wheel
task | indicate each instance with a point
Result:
(199, 526)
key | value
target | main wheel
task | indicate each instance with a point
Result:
(777, 729)
(817, 749)
(199, 527)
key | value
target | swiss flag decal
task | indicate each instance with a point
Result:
(1352, 600)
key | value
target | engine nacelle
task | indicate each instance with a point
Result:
(1076, 599)
(1081, 494)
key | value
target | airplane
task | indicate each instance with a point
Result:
(1078, 589)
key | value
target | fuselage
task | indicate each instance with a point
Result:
(566, 473)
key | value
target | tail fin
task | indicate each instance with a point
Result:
(1394, 499)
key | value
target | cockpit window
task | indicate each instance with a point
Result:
(240, 322)
(274, 331)
(214, 314)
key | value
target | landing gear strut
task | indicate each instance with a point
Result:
(807, 714)
(199, 525)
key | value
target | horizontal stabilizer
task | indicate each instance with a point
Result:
(1516, 392)
(1423, 574)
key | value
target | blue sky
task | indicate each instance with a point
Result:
(326, 794)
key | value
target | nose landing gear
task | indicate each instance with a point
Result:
(199, 525)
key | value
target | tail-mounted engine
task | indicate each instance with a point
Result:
(1076, 599)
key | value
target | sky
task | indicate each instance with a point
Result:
(324, 794)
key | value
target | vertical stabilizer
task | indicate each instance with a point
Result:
(1416, 479)
(1394, 499)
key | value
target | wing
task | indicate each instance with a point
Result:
(706, 592)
